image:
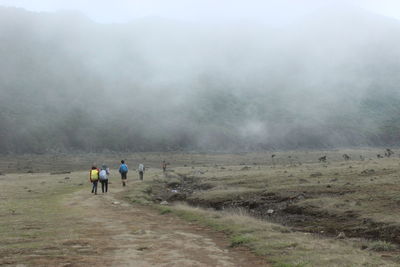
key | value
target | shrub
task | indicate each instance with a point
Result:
(383, 246)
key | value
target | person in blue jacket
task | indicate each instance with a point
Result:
(123, 170)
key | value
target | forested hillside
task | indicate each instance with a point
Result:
(70, 84)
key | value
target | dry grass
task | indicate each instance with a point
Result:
(219, 194)
(31, 221)
(374, 195)
(34, 223)
(367, 189)
(281, 245)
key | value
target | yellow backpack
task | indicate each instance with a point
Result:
(94, 175)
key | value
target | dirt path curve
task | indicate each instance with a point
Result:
(133, 235)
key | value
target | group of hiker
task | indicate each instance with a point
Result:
(103, 173)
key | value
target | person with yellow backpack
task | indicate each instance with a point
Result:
(94, 178)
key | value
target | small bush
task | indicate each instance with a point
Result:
(239, 240)
(165, 211)
(382, 246)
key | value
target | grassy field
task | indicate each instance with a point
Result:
(35, 227)
(47, 220)
(291, 208)
(79, 161)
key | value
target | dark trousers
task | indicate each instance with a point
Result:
(141, 176)
(104, 185)
(94, 188)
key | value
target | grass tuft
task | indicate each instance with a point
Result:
(165, 210)
(239, 240)
(383, 246)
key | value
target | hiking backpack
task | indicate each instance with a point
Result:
(123, 168)
(103, 175)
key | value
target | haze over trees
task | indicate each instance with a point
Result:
(70, 84)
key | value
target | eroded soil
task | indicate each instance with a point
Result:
(294, 207)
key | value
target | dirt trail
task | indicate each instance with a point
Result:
(133, 235)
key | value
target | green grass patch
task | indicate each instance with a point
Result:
(165, 210)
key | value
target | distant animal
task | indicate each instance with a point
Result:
(346, 157)
(388, 153)
(273, 156)
(379, 156)
(322, 159)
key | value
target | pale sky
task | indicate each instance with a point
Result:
(267, 11)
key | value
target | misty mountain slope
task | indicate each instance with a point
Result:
(69, 84)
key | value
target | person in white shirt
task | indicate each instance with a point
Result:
(141, 171)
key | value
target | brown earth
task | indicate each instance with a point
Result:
(54, 220)
(139, 236)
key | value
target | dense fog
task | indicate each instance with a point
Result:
(328, 79)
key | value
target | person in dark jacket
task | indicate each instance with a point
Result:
(141, 171)
(103, 175)
(94, 178)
